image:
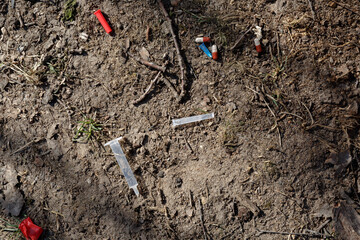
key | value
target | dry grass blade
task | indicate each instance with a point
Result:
(23, 73)
(345, 7)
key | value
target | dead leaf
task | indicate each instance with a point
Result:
(144, 54)
(353, 108)
(325, 211)
(347, 222)
(340, 160)
(246, 202)
(343, 69)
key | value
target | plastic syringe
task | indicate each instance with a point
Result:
(181, 121)
(123, 163)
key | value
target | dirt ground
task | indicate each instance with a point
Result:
(281, 154)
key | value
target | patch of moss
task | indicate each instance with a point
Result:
(69, 10)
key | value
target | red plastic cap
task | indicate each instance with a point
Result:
(214, 52)
(258, 45)
(215, 56)
(30, 230)
(103, 21)
(258, 48)
(202, 39)
(206, 39)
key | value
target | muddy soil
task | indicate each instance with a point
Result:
(281, 153)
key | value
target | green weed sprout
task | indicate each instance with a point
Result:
(69, 10)
(87, 130)
(6, 226)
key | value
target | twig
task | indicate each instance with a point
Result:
(148, 33)
(276, 124)
(202, 219)
(188, 145)
(270, 109)
(191, 197)
(312, 9)
(152, 65)
(239, 40)
(147, 90)
(20, 19)
(322, 225)
(345, 7)
(36, 140)
(278, 47)
(150, 86)
(269, 96)
(231, 233)
(323, 126)
(177, 46)
(307, 109)
(267, 105)
(314, 235)
(169, 84)
(245, 201)
(147, 63)
(279, 133)
(292, 114)
(54, 212)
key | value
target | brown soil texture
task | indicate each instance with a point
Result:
(271, 159)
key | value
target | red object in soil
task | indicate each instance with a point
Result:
(103, 21)
(202, 39)
(30, 230)
(258, 45)
(214, 52)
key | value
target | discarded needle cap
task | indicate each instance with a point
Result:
(123, 163)
(202, 39)
(103, 21)
(181, 121)
(205, 49)
(214, 52)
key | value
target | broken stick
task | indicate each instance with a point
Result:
(147, 63)
(177, 46)
(147, 90)
(312, 9)
(152, 65)
(314, 235)
(172, 88)
(202, 219)
(150, 86)
(246, 202)
(36, 140)
(239, 40)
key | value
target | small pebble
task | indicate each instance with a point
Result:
(178, 182)
(161, 174)
(83, 36)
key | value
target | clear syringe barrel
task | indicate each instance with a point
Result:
(181, 121)
(124, 164)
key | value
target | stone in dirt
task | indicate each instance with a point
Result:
(340, 160)
(3, 83)
(12, 200)
(144, 53)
